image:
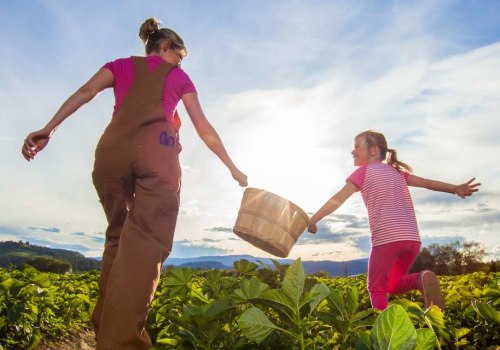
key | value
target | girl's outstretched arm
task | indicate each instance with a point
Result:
(208, 134)
(331, 205)
(463, 190)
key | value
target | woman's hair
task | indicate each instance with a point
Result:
(153, 36)
(374, 138)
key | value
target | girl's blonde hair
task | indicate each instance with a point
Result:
(374, 138)
(153, 36)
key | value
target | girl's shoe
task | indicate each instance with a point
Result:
(429, 285)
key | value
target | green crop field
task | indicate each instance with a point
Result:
(258, 307)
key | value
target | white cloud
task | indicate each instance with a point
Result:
(286, 93)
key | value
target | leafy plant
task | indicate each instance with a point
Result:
(291, 303)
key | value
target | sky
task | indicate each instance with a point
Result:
(287, 84)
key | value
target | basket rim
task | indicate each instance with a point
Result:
(299, 209)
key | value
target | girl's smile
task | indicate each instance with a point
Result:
(362, 155)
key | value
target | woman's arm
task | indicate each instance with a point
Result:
(463, 190)
(36, 141)
(331, 205)
(208, 134)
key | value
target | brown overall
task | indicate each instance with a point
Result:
(137, 178)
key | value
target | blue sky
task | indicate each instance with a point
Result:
(287, 84)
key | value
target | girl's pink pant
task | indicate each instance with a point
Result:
(388, 269)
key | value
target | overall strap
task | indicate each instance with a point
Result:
(147, 85)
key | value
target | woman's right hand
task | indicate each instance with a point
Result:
(241, 178)
(34, 143)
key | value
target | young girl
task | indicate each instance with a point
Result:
(394, 233)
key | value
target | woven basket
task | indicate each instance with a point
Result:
(269, 222)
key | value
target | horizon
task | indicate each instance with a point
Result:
(286, 93)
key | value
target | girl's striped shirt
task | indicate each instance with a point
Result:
(387, 198)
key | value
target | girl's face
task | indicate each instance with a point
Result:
(361, 154)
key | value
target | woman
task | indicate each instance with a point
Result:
(137, 176)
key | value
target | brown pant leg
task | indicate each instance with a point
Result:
(136, 271)
(145, 242)
(115, 191)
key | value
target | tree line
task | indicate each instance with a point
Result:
(454, 258)
(15, 254)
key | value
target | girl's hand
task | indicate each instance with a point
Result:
(312, 228)
(240, 177)
(34, 143)
(467, 189)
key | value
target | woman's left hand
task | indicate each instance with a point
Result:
(240, 178)
(312, 228)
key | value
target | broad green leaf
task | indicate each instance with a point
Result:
(178, 280)
(250, 289)
(435, 316)
(459, 332)
(409, 306)
(245, 267)
(42, 280)
(166, 341)
(491, 293)
(255, 325)
(352, 301)
(197, 292)
(216, 308)
(293, 283)
(209, 311)
(336, 303)
(363, 341)
(279, 297)
(338, 324)
(317, 293)
(179, 276)
(486, 311)
(361, 315)
(426, 339)
(214, 277)
(393, 330)
(6, 283)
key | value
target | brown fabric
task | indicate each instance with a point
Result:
(137, 178)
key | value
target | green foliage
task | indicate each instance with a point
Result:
(291, 303)
(278, 307)
(393, 330)
(36, 305)
(260, 307)
(49, 264)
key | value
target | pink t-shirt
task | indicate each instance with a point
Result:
(387, 198)
(177, 84)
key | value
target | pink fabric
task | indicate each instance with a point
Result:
(387, 198)
(177, 84)
(388, 269)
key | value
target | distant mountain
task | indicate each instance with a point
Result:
(205, 265)
(17, 253)
(333, 268)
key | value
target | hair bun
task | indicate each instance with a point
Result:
(148, 27)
